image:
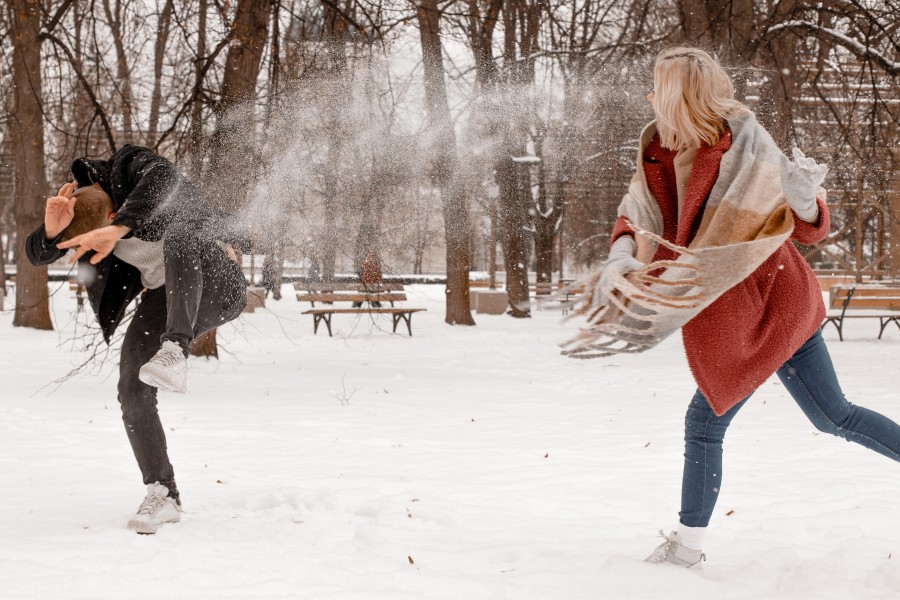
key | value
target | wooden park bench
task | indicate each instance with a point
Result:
(863, 302)
(563, 292)
(334, 293)
(397, 314)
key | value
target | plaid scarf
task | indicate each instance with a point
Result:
(745, 220)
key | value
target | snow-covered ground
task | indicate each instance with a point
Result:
(461, 463)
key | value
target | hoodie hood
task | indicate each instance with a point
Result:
(88, 172)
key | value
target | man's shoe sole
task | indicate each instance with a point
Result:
(144, 528)
(147, 528)
(154, 377)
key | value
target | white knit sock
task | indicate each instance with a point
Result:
(691, 537)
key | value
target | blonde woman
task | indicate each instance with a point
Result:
(713, 207)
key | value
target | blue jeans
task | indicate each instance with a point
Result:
(809, 377)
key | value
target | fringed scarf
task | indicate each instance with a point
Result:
(745, 220)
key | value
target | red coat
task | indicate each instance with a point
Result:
(742, 338)
(370, 272)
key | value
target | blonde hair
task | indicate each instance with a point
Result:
(693, 96)
(92, 208)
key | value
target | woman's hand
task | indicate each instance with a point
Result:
(101, 240)
(799, 181)
(60, 211)
(622, 261)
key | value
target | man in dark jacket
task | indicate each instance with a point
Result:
(138, 227)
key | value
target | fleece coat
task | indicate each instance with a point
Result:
(734, 344)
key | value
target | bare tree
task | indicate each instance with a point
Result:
(445, 165)
(233, 141)
(115, 18)
(159, 52)
(27, 133)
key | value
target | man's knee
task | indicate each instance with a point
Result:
(136, 398)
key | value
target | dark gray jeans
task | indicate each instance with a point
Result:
(204, 289)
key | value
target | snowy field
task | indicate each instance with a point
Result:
(461, 463)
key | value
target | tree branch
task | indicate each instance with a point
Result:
(54, 21)
(98, 108)
(860, 49)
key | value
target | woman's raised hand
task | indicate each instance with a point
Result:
(622, 261)
(799, 181)
(60, 211)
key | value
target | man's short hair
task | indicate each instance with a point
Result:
(92, 208)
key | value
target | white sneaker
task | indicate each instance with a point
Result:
(671, 551)
(156, 510)
(167, 369)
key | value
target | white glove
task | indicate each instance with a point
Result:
(621, 260)
(799, 181)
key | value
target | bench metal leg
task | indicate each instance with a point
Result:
(407, 317)
(323, 317)
(885, 321)
(837, 322)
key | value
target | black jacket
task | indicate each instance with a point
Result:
(111, 284)
(149, 196)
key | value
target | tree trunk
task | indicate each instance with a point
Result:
(894, 201)
(512, 219)
(777, 94)
(2, 265)
(233, 142)
(515, 193)
(492, 247)
(273, 265)
(27, 131)
(329, 207)
(159, 53)
(546, 219)
(334, 33)
(197, 155)
(367, 236)
(123, 74)
(726, 25)
(446, 165)
(205, 345)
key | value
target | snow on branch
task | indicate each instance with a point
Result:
(859, 49)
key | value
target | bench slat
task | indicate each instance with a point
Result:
(302, 286)
(385, 297)
(867, 302)
(886, 292)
